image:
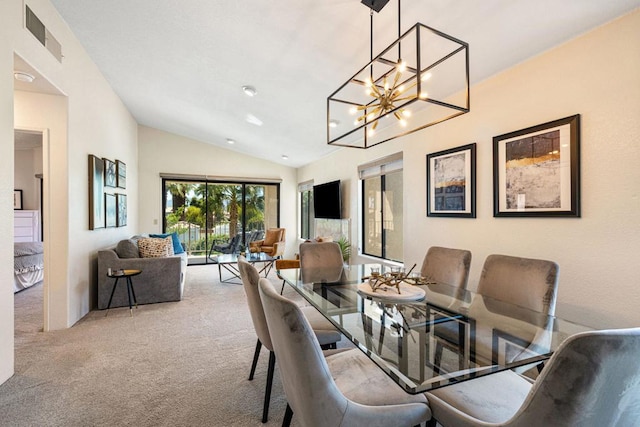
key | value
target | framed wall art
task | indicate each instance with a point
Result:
(17, 199)
(111, 212)
(451, 182)
(109, 173)
(122, 210)
(121, 174)
(96, 192)
(536, 171)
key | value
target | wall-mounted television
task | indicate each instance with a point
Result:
(327, 201)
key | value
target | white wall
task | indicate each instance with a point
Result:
(162, 152)
(28, 163)
(90, 119)
(595, 75)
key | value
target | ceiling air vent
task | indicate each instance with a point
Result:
(37, 28)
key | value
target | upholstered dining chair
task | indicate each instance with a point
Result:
(360, 395)
(321, 262)
(326, 333)
(450, 267)
(592, 380)
(524, 282)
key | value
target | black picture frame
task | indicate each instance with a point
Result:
(536, 171)
(96, 191)
(121, 174)
(17, 200)
(451, 182)
(109, 173)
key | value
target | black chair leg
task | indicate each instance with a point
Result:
(267, 390)
(284, 282)
(288, 414)
(256, 354)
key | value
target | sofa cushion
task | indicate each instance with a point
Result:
(127, 248)
(177, 246)
(155, 247)
(271, 237)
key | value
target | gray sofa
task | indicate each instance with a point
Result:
(161, 280)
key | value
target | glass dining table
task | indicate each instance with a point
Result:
(442, 336)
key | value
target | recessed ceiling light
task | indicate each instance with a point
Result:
(231, 141)
(285, 157)
(253, 120)
(23, 77)
(334, 123)
(249, 90)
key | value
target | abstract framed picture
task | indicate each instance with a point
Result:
(121, 174)
(110, 208)
(451, 182)
(536, 171)
(17, 199)
(122, 210)
(96, 192)
(109, 173)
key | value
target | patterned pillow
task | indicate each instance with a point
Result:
(155, 248)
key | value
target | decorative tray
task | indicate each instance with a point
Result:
(408, 292)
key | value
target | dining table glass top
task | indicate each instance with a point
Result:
(424, 342)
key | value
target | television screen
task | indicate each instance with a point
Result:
(327, 201)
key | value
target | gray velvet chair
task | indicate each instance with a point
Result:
(448, 266)
(592, 380)
(529, 283)
(326, 333)
(321, 262)
(360, 395)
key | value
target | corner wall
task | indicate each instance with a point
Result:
(595, 75)
(88, 119)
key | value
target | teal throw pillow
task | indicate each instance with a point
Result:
(177, 246)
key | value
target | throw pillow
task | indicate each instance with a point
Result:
(177, 246)
(272, 236)
(155, 248)
(127, 248)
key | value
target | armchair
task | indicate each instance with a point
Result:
(272, 244)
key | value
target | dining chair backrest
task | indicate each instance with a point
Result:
(321, 262)
(448, 266)
(593, 379)
(526, 282)
(250, 278)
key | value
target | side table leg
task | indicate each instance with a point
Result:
(135, 301)
(129, 295)
(111, 297)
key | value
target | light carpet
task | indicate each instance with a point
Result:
(172, 364)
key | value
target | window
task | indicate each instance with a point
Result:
(306, 209)
(381, 206)
(208, 214)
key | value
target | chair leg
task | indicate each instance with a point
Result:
(288, 414)
(284, 282)
(256, 354)
(267, 390)
(432, 422)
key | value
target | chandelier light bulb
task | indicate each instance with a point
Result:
(402, 122)
(406, 113)
(425, 77)
(424, 95)
(371, 132)
(353, 110)
(402, 66)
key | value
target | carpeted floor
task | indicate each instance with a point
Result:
(172, 364)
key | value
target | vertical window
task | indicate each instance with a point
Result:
(306, 209)
(381, 207)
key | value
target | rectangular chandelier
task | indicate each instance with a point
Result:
(420, 80)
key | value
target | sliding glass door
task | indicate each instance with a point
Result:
(218, 217)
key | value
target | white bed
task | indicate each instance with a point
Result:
(27, 256)
(28, 265)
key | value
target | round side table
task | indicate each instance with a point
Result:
(127, 274)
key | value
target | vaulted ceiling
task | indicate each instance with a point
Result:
(179, 65)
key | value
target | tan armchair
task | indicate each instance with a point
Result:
(272, 244)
